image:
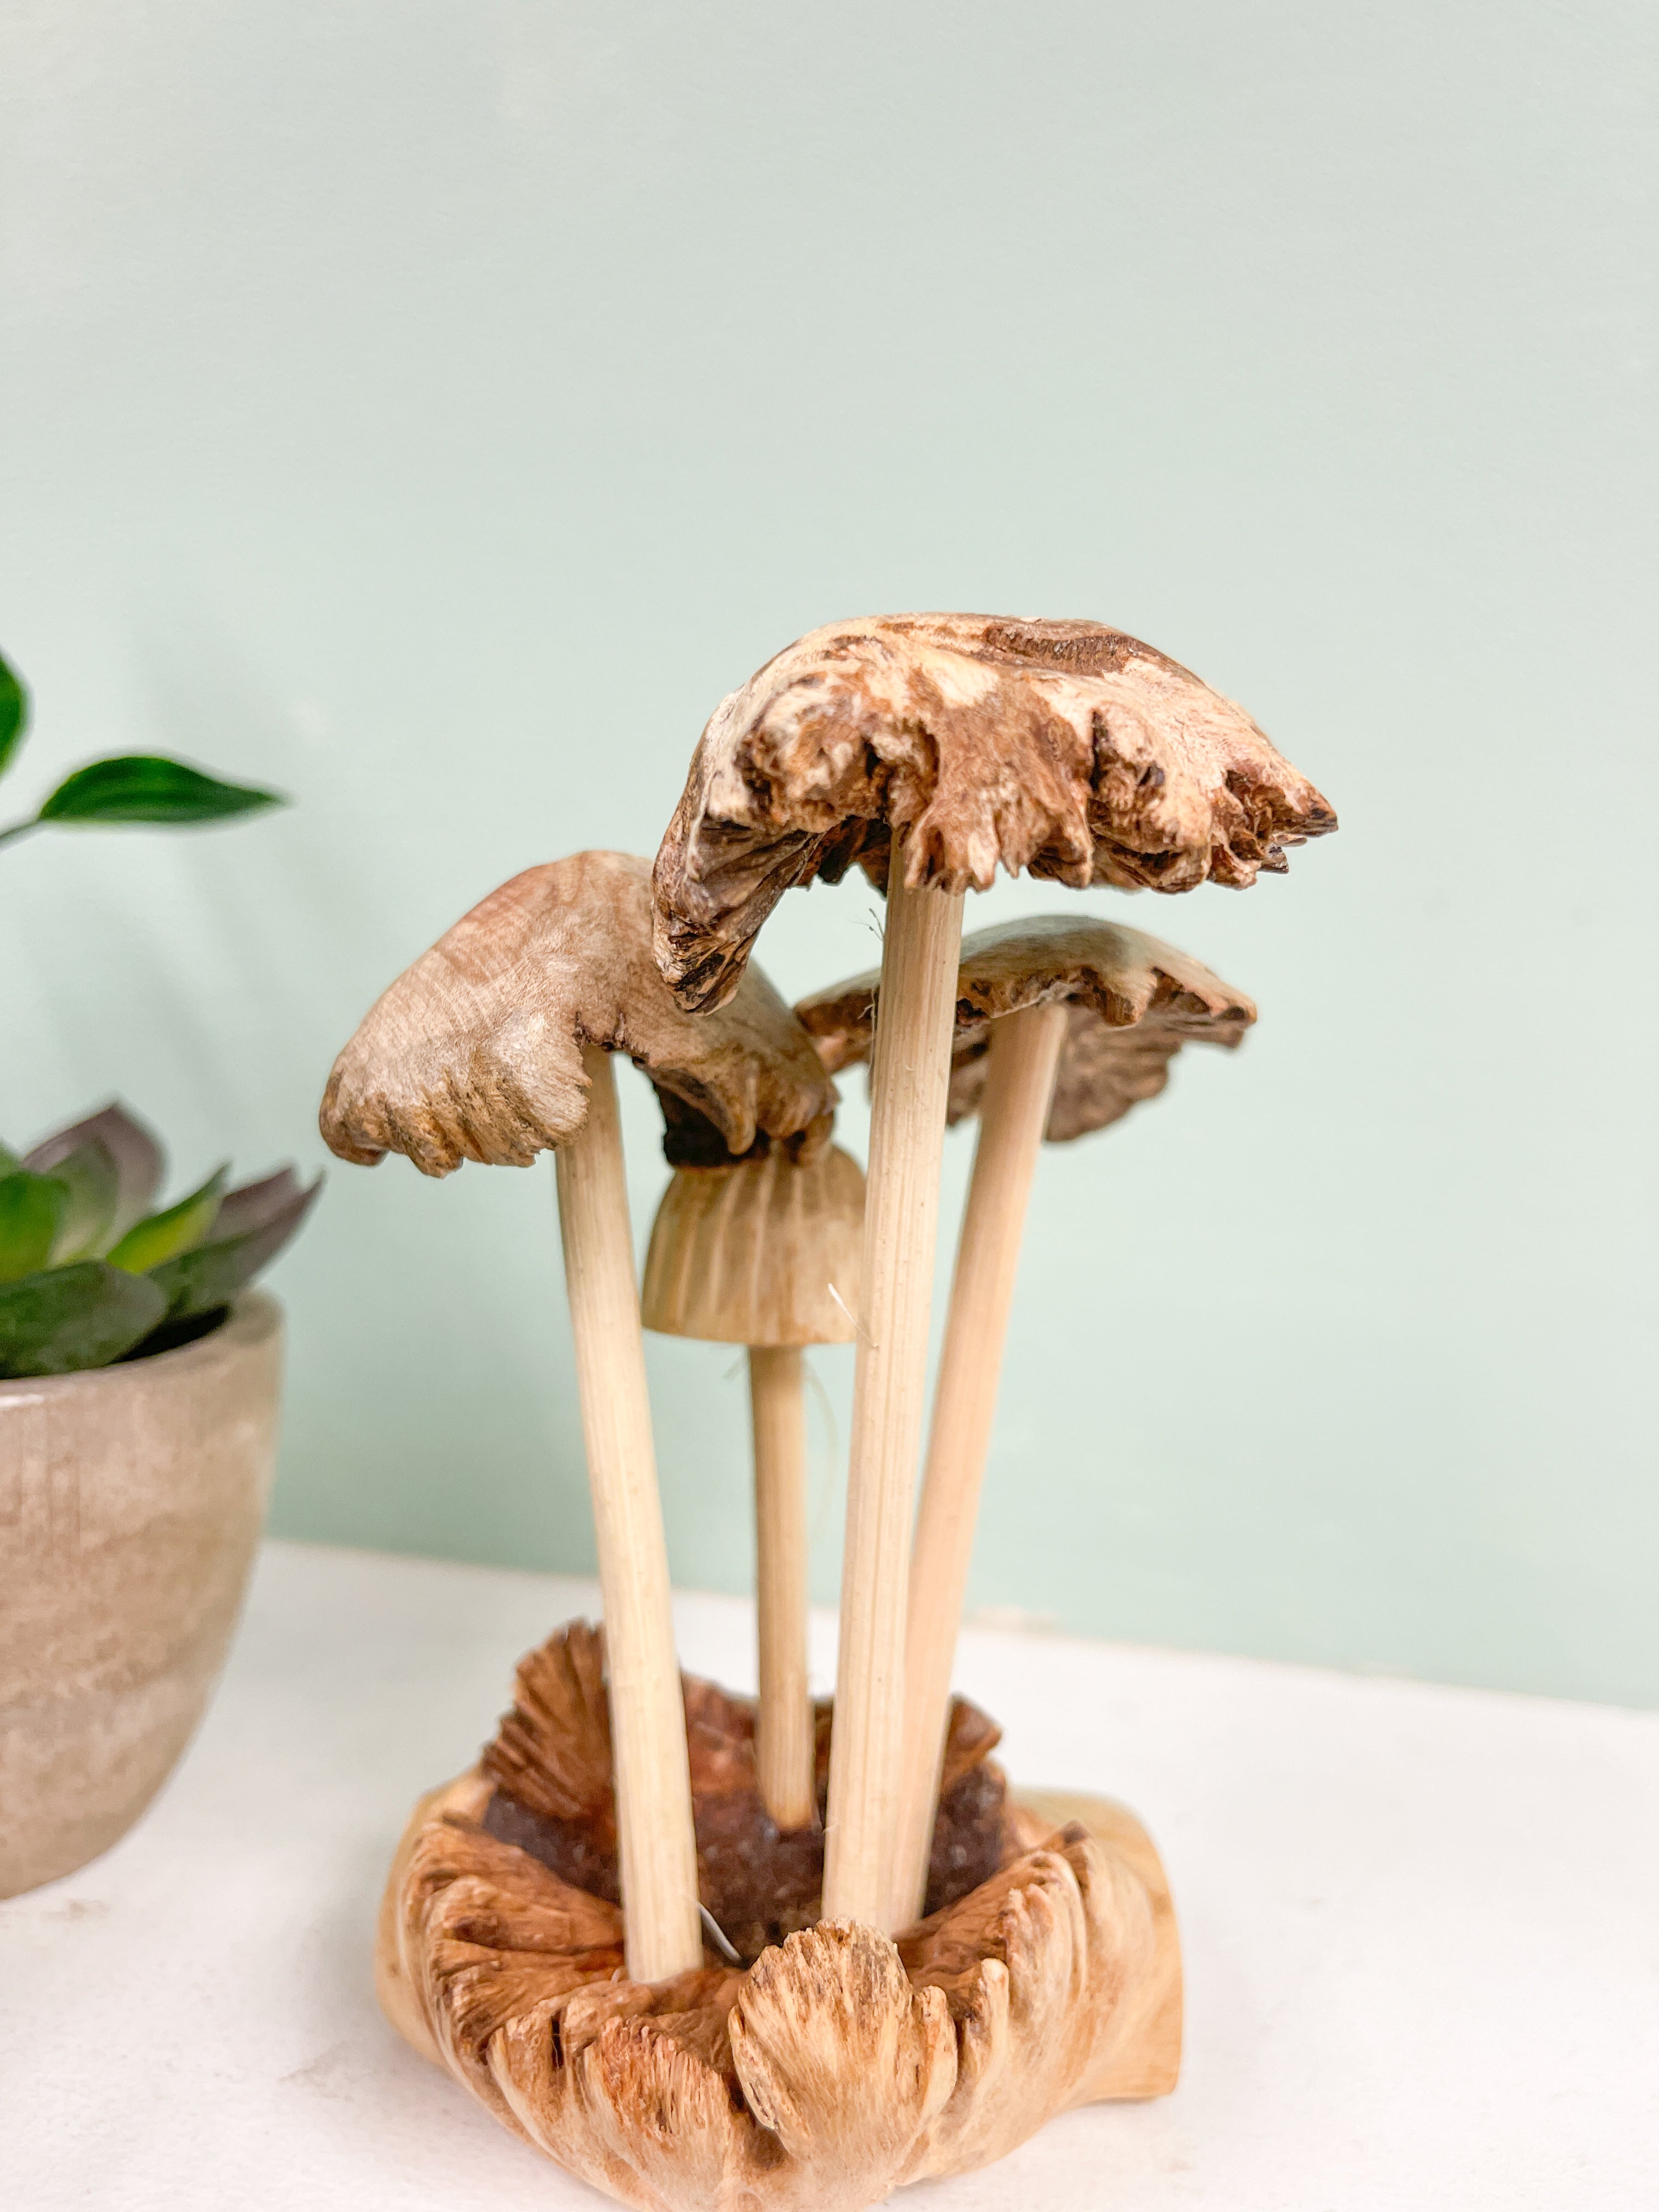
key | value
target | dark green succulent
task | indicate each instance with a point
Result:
(91, 1272)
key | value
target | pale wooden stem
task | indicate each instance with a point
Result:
(783, 1728)
(1024, 1049)
(909, 1075)
(658, 1848)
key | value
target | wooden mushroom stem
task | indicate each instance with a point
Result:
(1024, 1053)
(909, 1078)
(763, 1252)
(657, 1846)
(785, 1751)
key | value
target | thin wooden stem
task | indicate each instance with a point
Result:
(910, 1077)
(784, 1746)
(1024, 1049)
(658, 1847)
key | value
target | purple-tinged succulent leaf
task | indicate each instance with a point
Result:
(92, 1181)
(251, 1204)
(196, 1282)
(138, 1159)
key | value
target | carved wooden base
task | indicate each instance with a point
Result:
(839, 2064)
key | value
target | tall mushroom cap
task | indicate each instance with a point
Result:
(1062, 747)
(1132, 1002)
(763, 1252)
(475, 1052)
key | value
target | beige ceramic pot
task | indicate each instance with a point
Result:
(130, 1502)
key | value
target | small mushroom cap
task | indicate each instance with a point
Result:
(765, 1252)
(475, 1052)
(1064, 749)
(1133, 1002)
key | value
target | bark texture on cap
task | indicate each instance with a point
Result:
(1064, 749)
(475, 1052)
(1133, 1002)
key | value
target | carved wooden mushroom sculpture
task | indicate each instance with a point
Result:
(934, 748)
(1062, 1026)
(764, 1252)
(835, 2064)
(495, 1046)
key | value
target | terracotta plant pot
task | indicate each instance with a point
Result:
(132, 1499)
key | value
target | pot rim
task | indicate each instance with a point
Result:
(254, 1318)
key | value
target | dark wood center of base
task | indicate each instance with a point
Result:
(550, 1765)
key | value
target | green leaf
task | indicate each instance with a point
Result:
(93, 1183)
(10, 1161)
(196, 1282)
(146, 787)
(69, 1318)
(180, 1228)
(137, 1155)
(32, 1209)
(14, 714)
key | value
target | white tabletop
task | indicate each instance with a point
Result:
(1421, 1928)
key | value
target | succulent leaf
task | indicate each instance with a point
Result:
(211, 1275)
(10, 1160)
(138, 1159)
(251, 1204)
(64, 1318)
(93, 1183)
(14, 714)
(148, 788)
(177, 1229)
(32, 1209)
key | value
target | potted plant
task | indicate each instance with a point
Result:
(139, 1381)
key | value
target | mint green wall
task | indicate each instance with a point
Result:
(432, 409)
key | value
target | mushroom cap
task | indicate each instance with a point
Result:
(763, 1252)
(1064, 749)
(475, 1052)
(1133, 1002)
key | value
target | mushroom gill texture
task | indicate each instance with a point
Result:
(836, 2065)
(760, 1252)
(1133, 1002)
(475, 1052)
(1064, 749)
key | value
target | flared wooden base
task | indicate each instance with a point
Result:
(840, 2063)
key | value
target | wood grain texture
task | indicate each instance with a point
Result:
(766, 1253)
(1133, 1001)
(784, 1742)
(1064, 749)
(1024, 1047)
(763, 1252)
(1121, 1004)
(653, 1790)
(552, 1764)
(910, 1077)
(838, 2066)
(475, 1052)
